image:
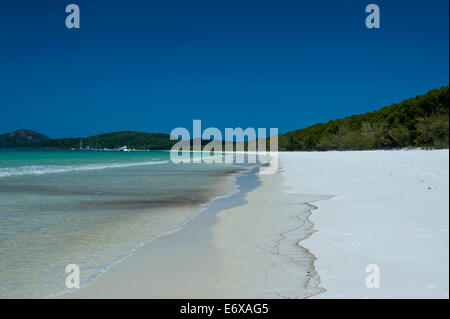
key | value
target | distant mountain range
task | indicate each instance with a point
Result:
(136, 140)
(133, 140)
(422, 121)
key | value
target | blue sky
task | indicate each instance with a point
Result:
(155, 65)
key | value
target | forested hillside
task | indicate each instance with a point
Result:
(422, 121)
(22, 138)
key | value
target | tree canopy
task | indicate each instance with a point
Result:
(422, 121)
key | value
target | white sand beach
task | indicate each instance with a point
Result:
(388, 208)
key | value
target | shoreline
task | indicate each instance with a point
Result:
(203, 209)
(214, 256)
(308, 231)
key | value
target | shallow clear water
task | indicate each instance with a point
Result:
(91, 209)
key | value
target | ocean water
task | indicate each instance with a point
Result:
(92, 209)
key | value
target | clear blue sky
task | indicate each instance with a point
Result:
(155, 65)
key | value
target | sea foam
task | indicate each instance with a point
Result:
(48, 169)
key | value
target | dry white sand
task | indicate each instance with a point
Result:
(390, 208)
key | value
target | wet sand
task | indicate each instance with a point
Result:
(244, 246)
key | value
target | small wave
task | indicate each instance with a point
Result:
(49, 169)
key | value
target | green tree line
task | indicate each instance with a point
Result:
(136, 140)
(422, 121)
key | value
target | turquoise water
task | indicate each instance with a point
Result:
(91, 209)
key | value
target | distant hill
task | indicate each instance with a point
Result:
(422, 121)
(22, 138)
(133, 140)
(136, 140)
